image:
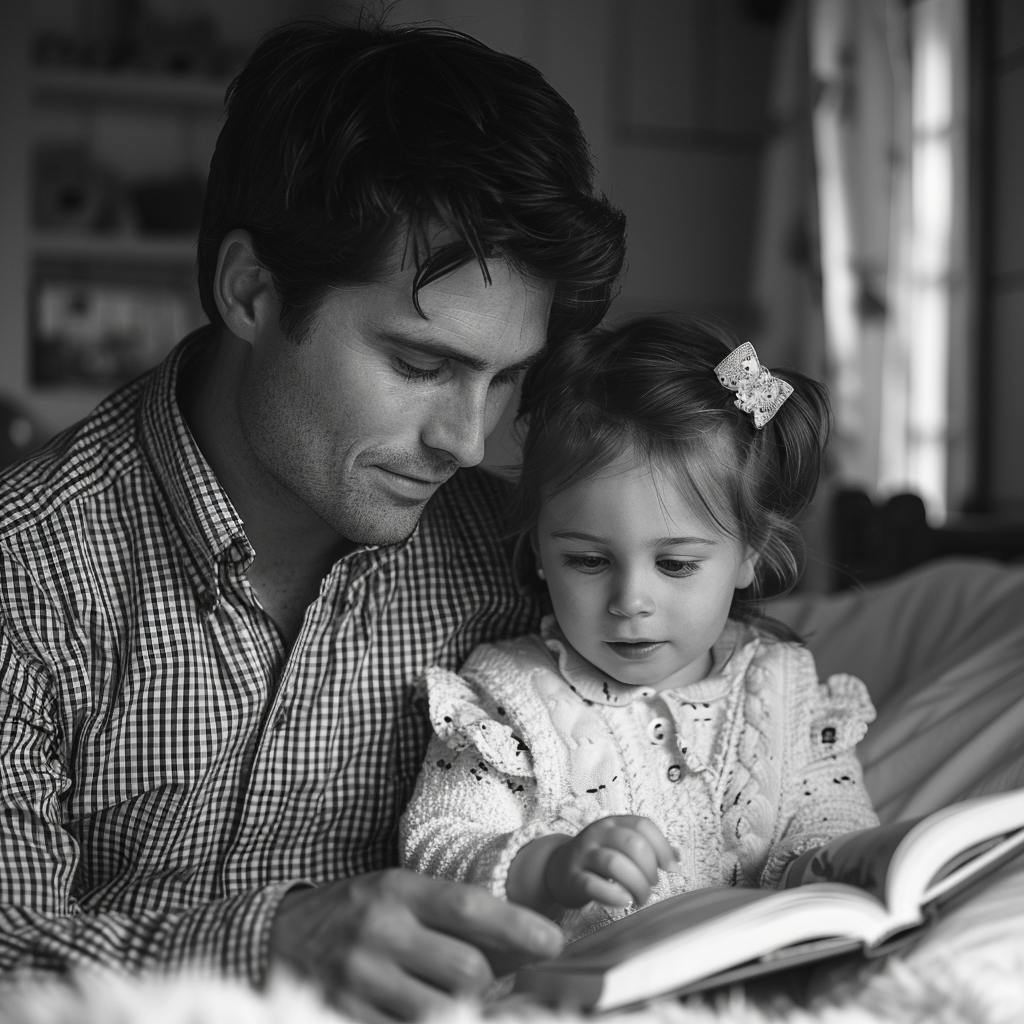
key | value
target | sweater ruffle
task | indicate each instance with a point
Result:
(460, 720)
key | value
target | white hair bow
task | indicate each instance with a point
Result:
(757, 391)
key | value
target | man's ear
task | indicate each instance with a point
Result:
(242, 288)
(745, 572)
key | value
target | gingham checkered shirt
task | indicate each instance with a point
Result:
(167, 771)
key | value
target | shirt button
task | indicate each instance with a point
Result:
(674, 773)
(657, 730)
(646, 692)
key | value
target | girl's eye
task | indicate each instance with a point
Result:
(677, 567)
(417, 373)
(586, 563)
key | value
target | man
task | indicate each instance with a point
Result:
(217, 591)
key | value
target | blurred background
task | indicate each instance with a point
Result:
(838, 180)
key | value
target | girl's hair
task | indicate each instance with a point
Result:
(648, 388)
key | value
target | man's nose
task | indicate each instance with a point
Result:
(459, 426)
(631, 598)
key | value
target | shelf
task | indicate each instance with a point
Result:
(114, 247)
(130, 89)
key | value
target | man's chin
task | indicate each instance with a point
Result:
(382, 526)
(380, 507)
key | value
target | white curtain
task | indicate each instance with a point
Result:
(867, 166)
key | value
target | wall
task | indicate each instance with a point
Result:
(143, 138)
(1005, 289)
(671, 94)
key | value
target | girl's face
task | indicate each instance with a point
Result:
(640, 586)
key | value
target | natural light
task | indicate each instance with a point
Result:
(886, 132)
(931, 175)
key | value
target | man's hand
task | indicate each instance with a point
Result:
(396, 944)
(614, 860)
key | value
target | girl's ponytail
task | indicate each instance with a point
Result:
(798, 435)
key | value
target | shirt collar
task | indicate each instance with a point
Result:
(730, 657)
(208, 529)
(207, 525)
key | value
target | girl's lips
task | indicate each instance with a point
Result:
(635, 650)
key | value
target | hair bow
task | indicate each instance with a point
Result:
(757, 391)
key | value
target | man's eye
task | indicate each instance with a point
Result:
(508, 379)
(586, 563)
(418, 373)
(677, 567)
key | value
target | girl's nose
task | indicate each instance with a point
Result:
(631, 600)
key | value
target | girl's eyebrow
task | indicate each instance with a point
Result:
(659, 542)
(667, 542)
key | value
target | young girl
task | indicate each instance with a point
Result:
(659, 735)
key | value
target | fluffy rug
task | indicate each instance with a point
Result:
(970, 970)
(989, 991)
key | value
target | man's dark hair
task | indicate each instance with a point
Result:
(342, 140)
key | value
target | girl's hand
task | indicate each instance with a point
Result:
(614, 860)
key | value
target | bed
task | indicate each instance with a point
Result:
(941, 649)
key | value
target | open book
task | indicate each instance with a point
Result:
(867, 891)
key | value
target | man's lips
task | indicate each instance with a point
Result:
(427, 481)
(635, 650)
(413, 485)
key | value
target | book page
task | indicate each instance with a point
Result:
(728, 924)
(686, 938)
(740, 936)
(622, 938)
(908, 864)
(938, 839)
(973, 865)
(858, 858)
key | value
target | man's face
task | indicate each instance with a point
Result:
(367, 416)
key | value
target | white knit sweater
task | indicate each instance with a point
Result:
(531, 739)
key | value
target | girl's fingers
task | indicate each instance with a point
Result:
(615, 866)
(632, 843)
(648, 833)
(603, 890)
(664, 853)
(614, 860)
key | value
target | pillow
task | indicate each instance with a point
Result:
(941, 650)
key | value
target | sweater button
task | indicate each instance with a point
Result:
(657, 730)
(674, 773)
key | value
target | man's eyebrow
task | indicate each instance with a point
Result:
(439, 350)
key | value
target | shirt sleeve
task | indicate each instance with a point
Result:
(42, 925)
(824, 792)
(475, 803)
